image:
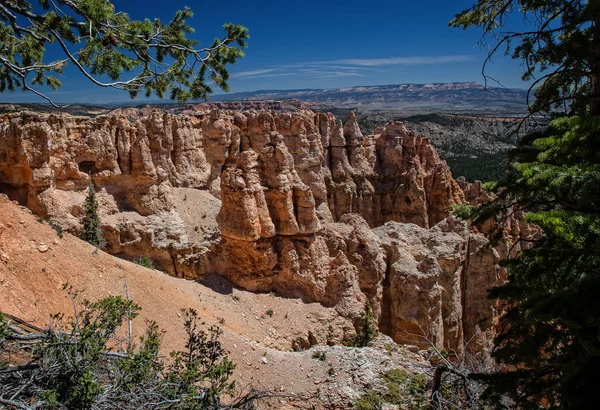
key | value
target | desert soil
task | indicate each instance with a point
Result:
(35, 263)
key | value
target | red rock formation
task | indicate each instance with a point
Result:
(297, 195)
(393, 175)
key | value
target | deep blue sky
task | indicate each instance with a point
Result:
(325, 44)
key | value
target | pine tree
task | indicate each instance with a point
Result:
(367, 326)
(90, 231)
(558, 45)
(110, 50)
(549, 334)
(548, 339)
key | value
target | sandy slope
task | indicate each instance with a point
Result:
(37, 263)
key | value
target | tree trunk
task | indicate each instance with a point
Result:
(435, 401)
(595, 63)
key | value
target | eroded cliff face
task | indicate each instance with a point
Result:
(296, 203)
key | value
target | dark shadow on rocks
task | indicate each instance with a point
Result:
(217, 283)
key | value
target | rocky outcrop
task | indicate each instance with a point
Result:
(296, 203)
(436, 284)
(393, 175)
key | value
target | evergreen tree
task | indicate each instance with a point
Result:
(147, 56)
(558, 47)
(367, 326)
(549, 336)
(550, 330)
(90, 231)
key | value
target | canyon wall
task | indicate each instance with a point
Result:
(296, 203)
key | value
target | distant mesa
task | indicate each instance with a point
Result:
(441, 97)
(456, 98)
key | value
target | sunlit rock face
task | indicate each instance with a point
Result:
(296, 203)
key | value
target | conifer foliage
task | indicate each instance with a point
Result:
(548, 339)
(105, 46)
(90, 230)
(557, 43)
(367, 326)
(549, 334)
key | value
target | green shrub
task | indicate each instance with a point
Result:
(202, 370)
(410, 391)
(322, 356)
(4, 333)
(389, 348)
(370, 400)
(4, 330)
(144, 261)
(462, 211)
(50, 399)
(59, 230)
(404, 387)
(77, 364)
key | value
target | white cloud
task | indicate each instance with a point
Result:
(351, 67)
(402, 60)
(253, 73)
(273, 75)
(325, 73)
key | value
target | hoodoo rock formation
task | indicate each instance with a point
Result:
(296, 203)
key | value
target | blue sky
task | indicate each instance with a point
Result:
(324, 44)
